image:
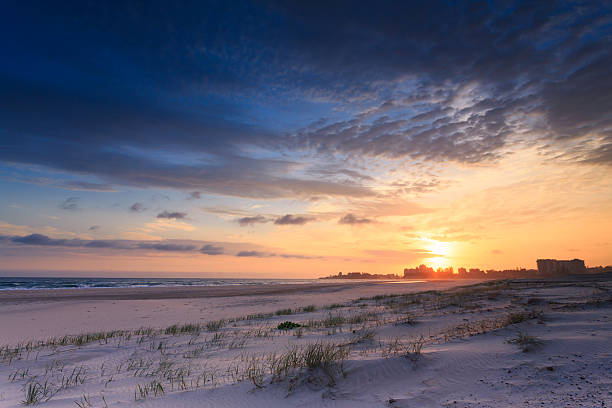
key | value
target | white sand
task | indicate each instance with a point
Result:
(466, 360)
(56, 313)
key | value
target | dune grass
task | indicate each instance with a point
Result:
(525, 342)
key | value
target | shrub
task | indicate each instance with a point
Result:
(323, 355)
(525, 342)
(519, 317)
(288, 325)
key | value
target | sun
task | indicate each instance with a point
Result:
(442, 249)
(440, 252)
(437, 262)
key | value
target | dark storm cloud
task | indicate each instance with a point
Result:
(256, 219)
(350, 219)
(293, 220)
(172, 215)
(70, 204)
(212, 250)
(137, 207)
(110, 87)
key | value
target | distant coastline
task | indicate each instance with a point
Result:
(547, 268)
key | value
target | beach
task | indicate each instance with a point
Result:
(347, 344)
(37, 314)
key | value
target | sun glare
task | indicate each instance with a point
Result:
(442, 249)
(440, 252)
(437, 262)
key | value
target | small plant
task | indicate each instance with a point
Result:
(333, 320)
(34, 394)
(282, 312)
(288, 325)
(519, 317)
(362, 336)
(215, 325)
(334, 306)
(255, 371)
(415, 347)
(525, 342)
(407, 319)
(323, 355)
(309, 308)
(84, 402)
(362, 317)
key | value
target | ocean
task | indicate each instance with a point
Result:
(9, 283)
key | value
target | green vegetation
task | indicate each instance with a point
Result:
(215, 325)
(288, 325)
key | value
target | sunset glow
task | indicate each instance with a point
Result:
(217, 146)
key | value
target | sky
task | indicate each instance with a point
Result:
(300, 139)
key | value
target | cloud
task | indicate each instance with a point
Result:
(137, 207)
(162, 246)
(167, 247)
(211, 250)
(260, 254)
(172, 215)
(43, 240)
(255, 254)
(86, 186)
(467, 89)
(111, 244)
(94, 228)
(251, 220)
(194, 195)
(70, 204)
(350, 219)
(174, 246)
(293, 220)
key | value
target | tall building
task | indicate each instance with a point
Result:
(553, 267)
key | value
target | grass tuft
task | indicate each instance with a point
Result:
(525, 342)
(519, 317)
(215, 325)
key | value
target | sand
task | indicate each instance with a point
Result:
(37, 314)
(448, 348)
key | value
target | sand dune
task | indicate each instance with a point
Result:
(451, 348)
